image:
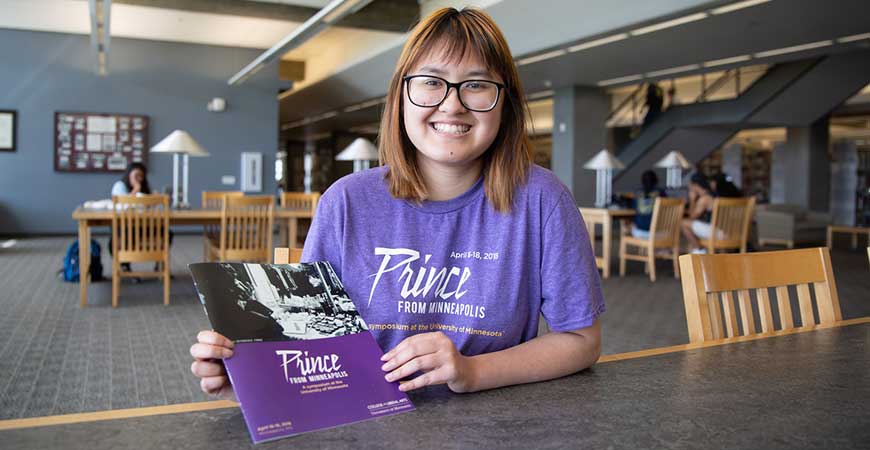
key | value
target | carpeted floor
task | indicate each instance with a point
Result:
(57, 358)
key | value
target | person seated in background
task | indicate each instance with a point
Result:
(697, 225)
(643, 203)
(722, 186)
(134, 181)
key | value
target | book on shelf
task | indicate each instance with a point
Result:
(303, 358)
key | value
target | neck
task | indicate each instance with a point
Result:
(448, 182)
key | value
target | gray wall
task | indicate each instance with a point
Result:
(41, 73)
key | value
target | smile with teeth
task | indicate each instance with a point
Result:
(454, 129)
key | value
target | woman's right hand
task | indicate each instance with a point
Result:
(207, 353)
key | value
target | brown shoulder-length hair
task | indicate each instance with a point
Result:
(506, 162)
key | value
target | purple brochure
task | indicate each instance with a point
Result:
(304, 359)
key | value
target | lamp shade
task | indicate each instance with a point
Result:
(674, 159)
(603, 160)
(358, 150)
(179, 141)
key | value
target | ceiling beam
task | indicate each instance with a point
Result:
(380, 15)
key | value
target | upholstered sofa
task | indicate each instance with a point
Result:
(788, 224)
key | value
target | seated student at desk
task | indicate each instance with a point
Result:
(643, 203)
(134, 181)
(697, 225)
(458, 193)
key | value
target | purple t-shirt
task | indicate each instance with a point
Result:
(458, 266)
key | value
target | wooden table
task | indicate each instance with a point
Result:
(89, 218)
(795, 390)
(603, 217)
(855, 231)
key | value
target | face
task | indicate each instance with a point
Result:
(137, 176)
(450, 134)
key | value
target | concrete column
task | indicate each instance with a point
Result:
(579, 132)
(844, 181)
(778, 173)
(802, 167)
(732, 163)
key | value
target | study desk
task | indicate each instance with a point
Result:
(795, 390)
(603, 217)
(88, 218)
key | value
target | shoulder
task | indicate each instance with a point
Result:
(119, 188)
(544, 187)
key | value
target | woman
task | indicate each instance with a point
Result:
(643, 203)
(480, 241)
(697, 225)
(134, 181)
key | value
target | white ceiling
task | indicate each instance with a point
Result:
(140, 22)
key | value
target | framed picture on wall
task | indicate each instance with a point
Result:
(99, 142)
(8, 134)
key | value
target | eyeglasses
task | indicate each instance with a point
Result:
(427, 91)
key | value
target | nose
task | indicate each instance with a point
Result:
(451, 104)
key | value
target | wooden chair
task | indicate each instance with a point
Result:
(707, 279)
(140, 233)
(729, 226)
(214, 200)
(284, 255)
(664, 233)
(245, 230)
(295, 200)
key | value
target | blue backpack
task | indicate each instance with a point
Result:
(70, 270)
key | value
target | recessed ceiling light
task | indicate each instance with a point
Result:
(625, 79)
(792, 49)
(541, 57)
(669, 24)
(723, 61)
(673, 70)
(736, 6)
(598, 42)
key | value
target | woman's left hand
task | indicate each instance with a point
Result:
(433, 354)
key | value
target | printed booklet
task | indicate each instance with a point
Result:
(304, 359)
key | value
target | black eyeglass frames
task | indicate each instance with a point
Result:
(427, 91)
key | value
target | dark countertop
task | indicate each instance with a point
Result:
(805, 390)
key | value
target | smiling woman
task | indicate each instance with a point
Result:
(455, 247)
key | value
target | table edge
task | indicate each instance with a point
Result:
(113, 414)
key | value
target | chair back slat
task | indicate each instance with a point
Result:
(665, 224)
(140, 227)
(285, 255)
(300, 200)
(246, 228)
(805, 303)
(747, 318)
(715, 315)
(730, 313)
(729, 224)
(783, 303)
(765, 313)
(705, 276)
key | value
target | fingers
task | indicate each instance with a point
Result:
(213, 385)
(213, 338)
(206, 351)
(417, 345)
(423, 363)
(203, 369)
(438, 376)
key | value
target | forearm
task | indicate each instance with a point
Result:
(552, 355)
